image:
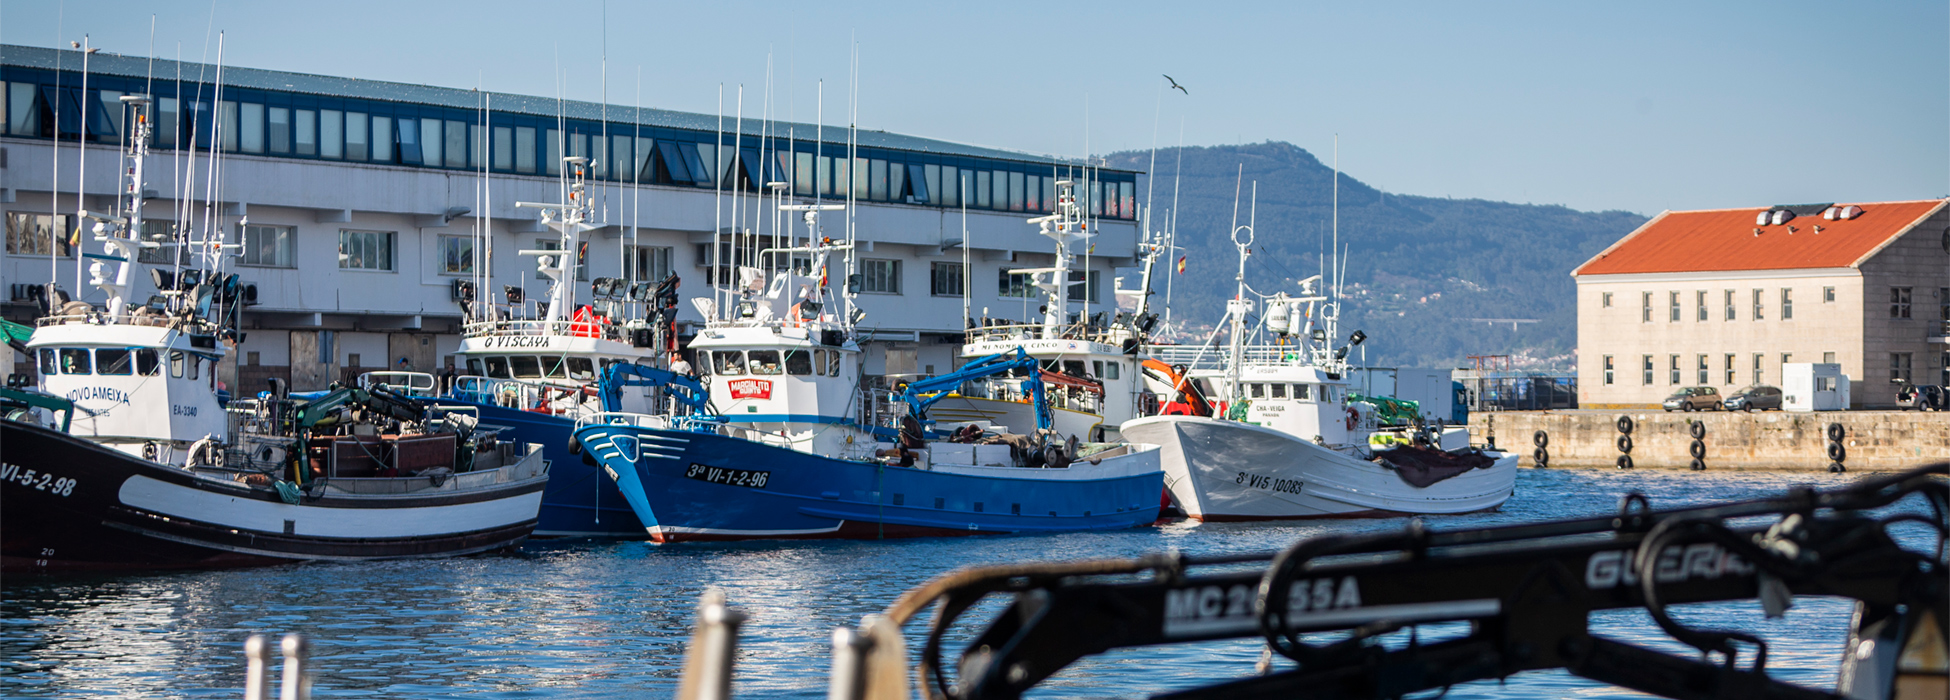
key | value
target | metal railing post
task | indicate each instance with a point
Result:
(256, 668)
(849, 679)
(707, 664)
(297, 684)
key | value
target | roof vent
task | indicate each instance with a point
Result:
(1781, 216)
(1849, 212)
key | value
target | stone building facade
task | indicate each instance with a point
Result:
(1723, 298)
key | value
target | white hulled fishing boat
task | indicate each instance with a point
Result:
(1286, 442)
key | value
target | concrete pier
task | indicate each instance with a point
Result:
(1871, 440)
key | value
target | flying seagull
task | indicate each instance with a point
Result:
(1176, 86)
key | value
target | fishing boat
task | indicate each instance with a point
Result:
(1090, 363)
(534, 374)
(792, 444)
(125, 456)
(1286, 441)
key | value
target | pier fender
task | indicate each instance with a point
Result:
(1541, 439)
(1697, 429)
(1625, 444)
(1624, 461)
(1837, 452)
(1835, 432)
(1625, 424)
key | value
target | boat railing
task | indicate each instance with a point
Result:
(603, 329)
(640, 420)
(152, 320)
(1028, 331)
(523, 394)
(695, 424)
(415, 384)
(1198, 357)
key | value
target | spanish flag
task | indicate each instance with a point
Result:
(1181, 264)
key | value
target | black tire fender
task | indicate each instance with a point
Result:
(1625, 424)
(1697, 450)
(1836, 432)
(1836, 468)
(1625, 444)
(1624, 461)
(1837, 452)
(1542, 457)
(1541, 438)
(1698, 465)
(1697, 429)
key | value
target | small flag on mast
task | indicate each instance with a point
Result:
(1181, 264)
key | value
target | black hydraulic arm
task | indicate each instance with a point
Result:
(1524, 591)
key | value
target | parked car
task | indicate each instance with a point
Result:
(1921, 397)
(1759, 397)
(1694, 398)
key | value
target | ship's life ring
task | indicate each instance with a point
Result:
(1352, 417)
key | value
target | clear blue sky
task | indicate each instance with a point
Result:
(1640, 106)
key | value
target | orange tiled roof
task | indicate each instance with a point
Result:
(1723, 239)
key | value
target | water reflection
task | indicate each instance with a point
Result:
(603, 620)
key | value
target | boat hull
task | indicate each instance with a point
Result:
(699, 487)
(579, 501)
(1219, 470)
(67, 504)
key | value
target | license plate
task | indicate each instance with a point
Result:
(749, 478)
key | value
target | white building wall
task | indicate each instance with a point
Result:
(320, 199)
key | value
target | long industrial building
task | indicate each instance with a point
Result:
(355, 203)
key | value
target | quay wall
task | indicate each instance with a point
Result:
(1872, 440)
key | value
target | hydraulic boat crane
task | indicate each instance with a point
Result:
(1526, 591)
(924, 393)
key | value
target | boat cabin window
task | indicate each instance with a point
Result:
(1300, 391)
(1105, 370)
(798, 363)
(497, 368)
(703, 362)
(48, 365)
(730, 363)
(581, 368)
(764, 362)
(116, 361)
(552, 367)
(833, 362)
(1278, 391)
(525, 366)
(176, 363)
(193, 362)
(1074, 368)
(147, 363)
(1258, 390)
(474, 366)
(76, 361)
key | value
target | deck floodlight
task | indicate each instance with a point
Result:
(1357, 337)
(513, 293)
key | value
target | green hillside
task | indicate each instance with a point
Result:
(1417, 266)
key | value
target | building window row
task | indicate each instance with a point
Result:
(1675, 312)
(291, 125)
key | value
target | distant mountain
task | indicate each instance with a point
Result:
(1417, 266)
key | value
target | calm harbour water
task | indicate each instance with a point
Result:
(609, 620)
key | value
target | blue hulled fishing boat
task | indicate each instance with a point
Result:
(791, 442)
